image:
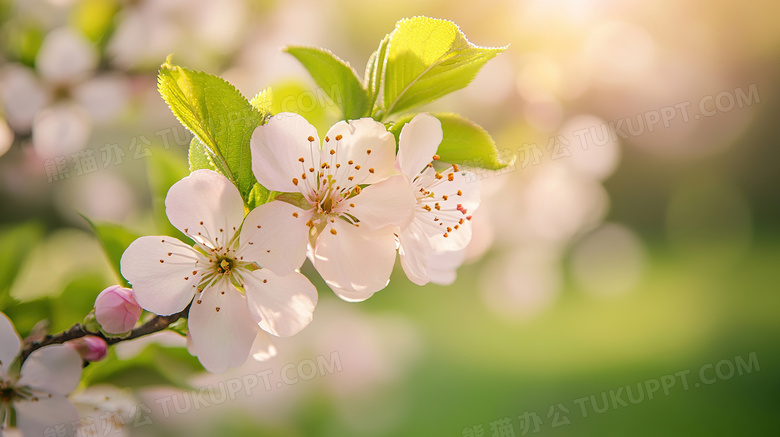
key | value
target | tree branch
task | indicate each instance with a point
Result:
(158, 323)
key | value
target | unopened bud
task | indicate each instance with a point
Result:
(90, 347)
(116, 310)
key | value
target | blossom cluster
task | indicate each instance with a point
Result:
(348, 204)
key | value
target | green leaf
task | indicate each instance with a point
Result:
(17, 243)
(200, 157)
(164, 169)
(294, 96)
(76, 300)
(94, 18)
(262, 102)
(114, 239)
(260, 195)
(155, 365)
(375, 69)
(464, 142)
(64, 255)
(426, 59)
(296, 199)
(217, 113)
(336, 77)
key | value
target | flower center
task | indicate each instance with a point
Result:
(327, 205)
(225, 265)
(7, 393)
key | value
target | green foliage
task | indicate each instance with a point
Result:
(294, 96)
(375, 71)
(94, 18)
(164, 169)
(464, 142)
(219, 116)
(155, 365)
(428, 58)
(337, 78)
(114, 239)
(17, 243)
(260, 195)
(76, 300)
(262, 102)
(200, 157)
(422, 60)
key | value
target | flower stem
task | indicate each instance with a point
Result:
(158, 323)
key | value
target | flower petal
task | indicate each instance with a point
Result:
(263, 349)
(366, 144)
(275, 236)
(281, 305)
(414, 251)
(389, 202)
(355, 262)
(10, 344)
(44, 416)
(443, 265)
(419, 140)
(221, 328)
(420, 260)
(206, 206)
(453, 197)
(282, 150)
(164, 273)
(54, 369)
(190, 346)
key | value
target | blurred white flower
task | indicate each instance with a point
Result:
(38, 392)
(523, 283)
(61, 103)
(6, 137)
(148, 31)
(104, 410)
(609, 261)
(357, 356)
(594, 153)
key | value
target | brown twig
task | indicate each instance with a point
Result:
(158, 323)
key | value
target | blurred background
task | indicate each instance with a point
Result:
(635, 239)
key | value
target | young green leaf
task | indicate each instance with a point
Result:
(375, 69)
(464, 142)
(426, 59)
(291, 95)
(336, 77)
(200, 157)
(219, 116)
(260, 195)
(262, 102)
(114, 239)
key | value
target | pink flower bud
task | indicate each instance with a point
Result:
(90, 347)
(116, 310)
